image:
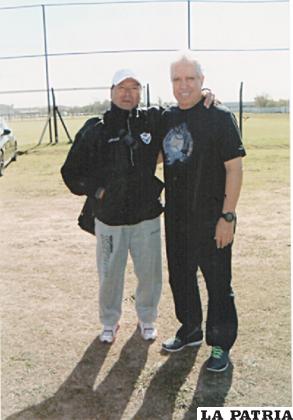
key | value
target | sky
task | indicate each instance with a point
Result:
(215, 25)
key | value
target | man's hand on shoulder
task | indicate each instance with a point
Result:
(209, 98)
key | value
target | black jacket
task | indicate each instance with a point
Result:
(117, 154)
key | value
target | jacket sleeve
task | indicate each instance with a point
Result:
(82, 170)
(154, 115)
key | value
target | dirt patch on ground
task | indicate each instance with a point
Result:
(53, 365)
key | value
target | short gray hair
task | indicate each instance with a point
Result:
(187, 57)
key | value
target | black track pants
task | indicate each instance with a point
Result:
(184, 259)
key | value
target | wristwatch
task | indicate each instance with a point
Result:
(229, 216)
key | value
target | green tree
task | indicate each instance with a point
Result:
(263, 101)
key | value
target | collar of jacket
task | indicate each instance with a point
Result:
(119, 116)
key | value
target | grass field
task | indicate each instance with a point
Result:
(53, 366)
(266, 137)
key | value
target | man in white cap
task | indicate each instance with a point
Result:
(113, 162)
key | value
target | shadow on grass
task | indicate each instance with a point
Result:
(77, 398)
(164, 389)
(211, 390)
(164, 395)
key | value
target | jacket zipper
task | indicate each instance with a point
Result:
(129, 130)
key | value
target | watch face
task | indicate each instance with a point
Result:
(229, 217)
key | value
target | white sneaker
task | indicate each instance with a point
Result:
(108, 334)
(148, 331)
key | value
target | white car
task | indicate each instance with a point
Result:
(8, 146)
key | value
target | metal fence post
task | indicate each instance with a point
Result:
(54, 116)
(188, 23)
(148, 100)
(47, 71)
(241, 107)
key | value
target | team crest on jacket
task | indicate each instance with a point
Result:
(146, 137)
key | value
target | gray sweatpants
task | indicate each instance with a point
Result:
(143, 241)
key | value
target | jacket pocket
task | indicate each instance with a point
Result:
(86, 219)
(112, 205)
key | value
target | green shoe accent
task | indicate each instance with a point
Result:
(219, 360)
(217, 352)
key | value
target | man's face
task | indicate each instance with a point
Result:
(126, 95)
(186, 83)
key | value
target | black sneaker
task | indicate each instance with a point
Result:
(219, 360)
(177, 344)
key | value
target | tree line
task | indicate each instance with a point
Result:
(264, 101)
(98, 108)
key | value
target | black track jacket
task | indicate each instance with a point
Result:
(118, 154)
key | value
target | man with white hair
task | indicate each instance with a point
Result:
(203, 154)
(113, 162)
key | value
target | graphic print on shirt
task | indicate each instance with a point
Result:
(177, 144)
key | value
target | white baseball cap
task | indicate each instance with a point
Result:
(124, 74)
